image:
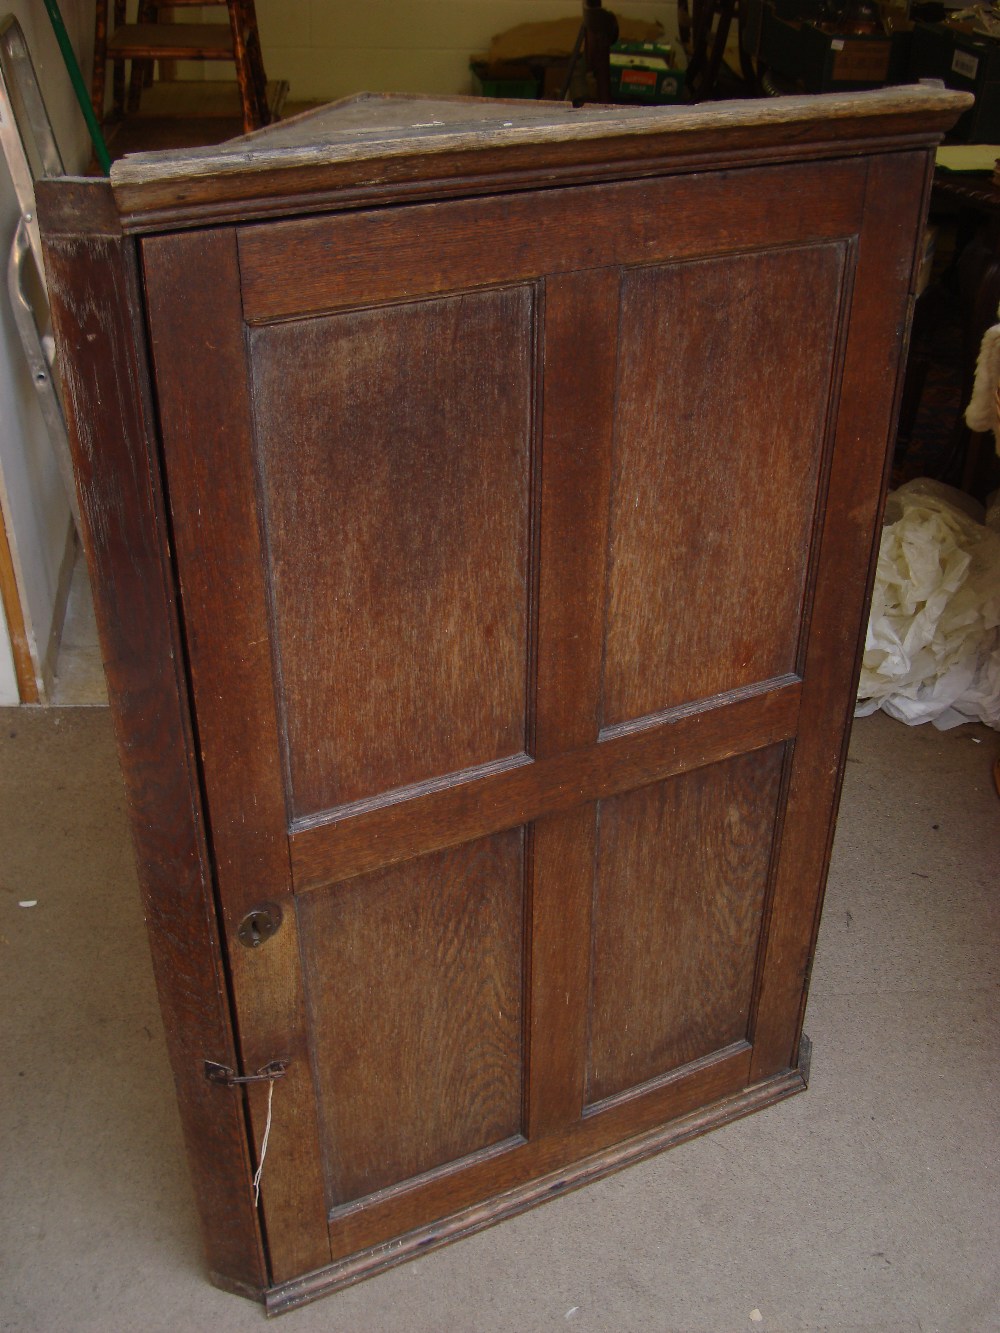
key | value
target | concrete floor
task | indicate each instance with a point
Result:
(871, 1203)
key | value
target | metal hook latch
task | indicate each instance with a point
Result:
(216, 1073)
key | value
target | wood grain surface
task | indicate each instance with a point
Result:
(366, 836)
(415, 990)
(204, 420)
(720, 432)
(581, 341)
(246, 179)
(542, 1187)
(371, 126)
(494, 567)
(400, 631)
(681, 876)
(318, 264)
(847, 551)
(96, 299)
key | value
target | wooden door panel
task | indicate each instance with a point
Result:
(414, 990)
(721, 425)
(400, 630)
(681, 873)
(512, 722)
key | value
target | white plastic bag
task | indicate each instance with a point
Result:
(932, 652)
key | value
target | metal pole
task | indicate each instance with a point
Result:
(82, 96)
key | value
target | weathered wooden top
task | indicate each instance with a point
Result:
(371, 126)
(371, 142)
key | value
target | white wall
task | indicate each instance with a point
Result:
(327, 50)
(34, 505)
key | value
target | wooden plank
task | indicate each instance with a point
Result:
(367, 119)
(849, 547)
(205, 420)
(581, 342)
(351, 843)
(95, 293)
(171, 41)
(563, 876)
(486, 1212)
(338, 190)
(294, 268)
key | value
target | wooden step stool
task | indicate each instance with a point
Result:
(150, 39)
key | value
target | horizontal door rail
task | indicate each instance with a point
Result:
(355, 843)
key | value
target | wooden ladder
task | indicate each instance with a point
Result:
(149, 39)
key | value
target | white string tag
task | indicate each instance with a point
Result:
(263, 1145)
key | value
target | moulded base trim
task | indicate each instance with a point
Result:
(299, 1291)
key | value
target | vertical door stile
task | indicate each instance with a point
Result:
(207, 431)
(580, 350)
(873, 359)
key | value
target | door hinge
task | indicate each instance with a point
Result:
(216, 1073)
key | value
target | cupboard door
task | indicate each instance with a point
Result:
(522, 547)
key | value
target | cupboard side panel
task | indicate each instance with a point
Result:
(96, 302)
(875, 356)
(207, 445)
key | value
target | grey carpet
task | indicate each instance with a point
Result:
(870, 1203)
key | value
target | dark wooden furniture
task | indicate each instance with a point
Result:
(481, 503)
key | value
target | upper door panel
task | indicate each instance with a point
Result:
(400, 629)
(722, 417)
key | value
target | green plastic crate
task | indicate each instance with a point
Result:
(487, 82)
(644, 72)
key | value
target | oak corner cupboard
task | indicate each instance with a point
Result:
(480, 502)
